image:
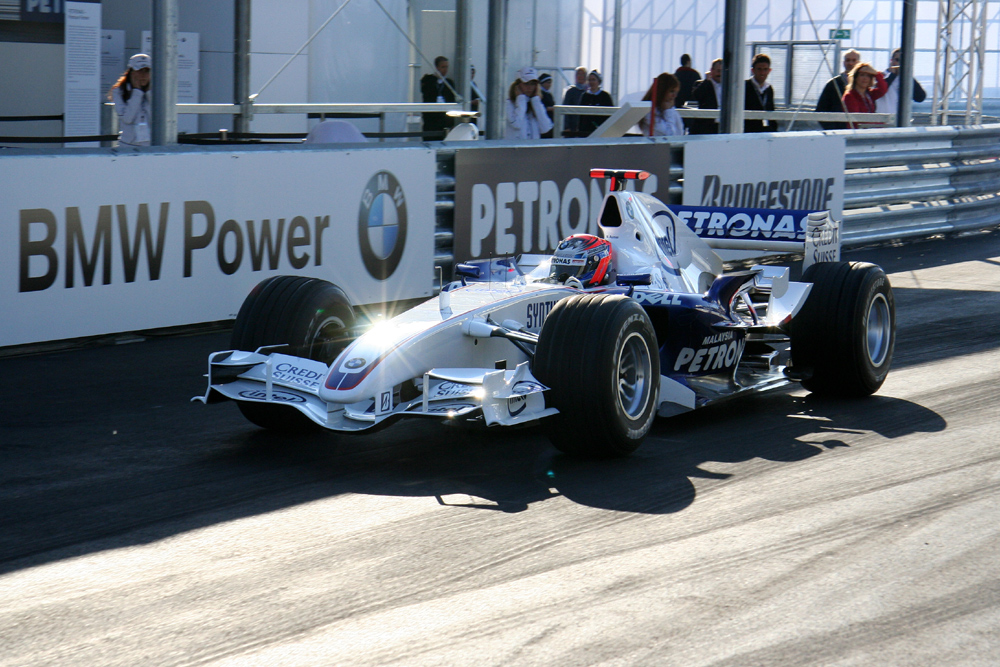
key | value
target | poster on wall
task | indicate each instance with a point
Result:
(188, 70)
(803, 172)
(112, 60)
(510, 201)
(83, 70)
(101, 244)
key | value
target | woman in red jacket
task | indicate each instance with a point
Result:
(865, 84)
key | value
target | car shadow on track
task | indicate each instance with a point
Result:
(779, 428)
(74, 488)
(496, 471)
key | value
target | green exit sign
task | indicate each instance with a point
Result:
(843, 33)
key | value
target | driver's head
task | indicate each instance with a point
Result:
(584, 257)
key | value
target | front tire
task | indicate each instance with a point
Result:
(598, 354)
(844, 336)
(313, 317)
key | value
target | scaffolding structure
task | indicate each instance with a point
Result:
(961, 52)
(956, 57)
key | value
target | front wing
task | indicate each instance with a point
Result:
(497, 397)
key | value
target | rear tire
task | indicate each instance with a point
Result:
(598, 354)
(312, 317)
(844, 336)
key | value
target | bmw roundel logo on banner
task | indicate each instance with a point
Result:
(382, 225)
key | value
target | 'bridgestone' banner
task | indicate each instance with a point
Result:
(783, 171)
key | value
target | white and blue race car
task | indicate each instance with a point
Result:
(592, 342)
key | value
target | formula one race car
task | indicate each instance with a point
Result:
(593, 342)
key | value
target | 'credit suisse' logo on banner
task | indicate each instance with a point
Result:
(382, 225)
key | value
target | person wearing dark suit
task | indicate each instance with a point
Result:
(545, 81)
(594, 96)
(708, 94)
(889, 103)
(688, 76)
(759, 95)
(833, 92)
(437, 88)
(571, 98)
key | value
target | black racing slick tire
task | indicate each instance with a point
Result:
(844, 336)
(312, 318)
(598, 355)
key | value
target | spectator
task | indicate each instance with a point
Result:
(688, 77)
(889, 103)
(571, 98)
(475, 95)
(594, 96)
(545, 81)
(833, 92)
(437, 88)
(131, 95)
(526, 117)
(865, 84)
(708, 94)
(759, 95)
(667, 122)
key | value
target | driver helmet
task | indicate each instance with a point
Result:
(584, 257)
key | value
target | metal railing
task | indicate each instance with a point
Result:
(110, 119)
(380, 110)
(559, 113)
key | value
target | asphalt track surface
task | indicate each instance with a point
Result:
(138, 528)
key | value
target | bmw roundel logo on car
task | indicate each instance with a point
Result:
(355, 363)
(382, 225)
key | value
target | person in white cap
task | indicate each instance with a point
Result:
(526, 117)
(131, 95)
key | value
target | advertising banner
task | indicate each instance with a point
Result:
(784, 171)
(81, 101)
(100, 244)
(712, 222)
(510, 201)
(42, 11)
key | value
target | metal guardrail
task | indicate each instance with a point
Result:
(898, 183)
(916, 182)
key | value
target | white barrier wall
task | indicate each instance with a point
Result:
(98, 244)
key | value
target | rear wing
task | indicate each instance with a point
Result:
(815, 234)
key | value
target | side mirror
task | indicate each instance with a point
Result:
(464, 271)
(630, 280)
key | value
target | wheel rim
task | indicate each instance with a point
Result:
(879, 330)
(635, 380)
(328, 339)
